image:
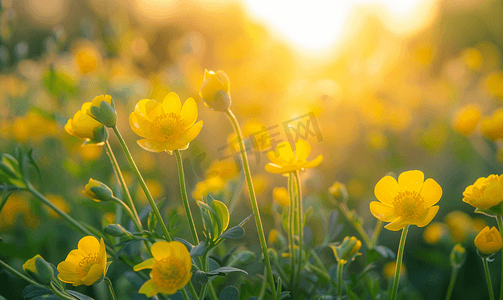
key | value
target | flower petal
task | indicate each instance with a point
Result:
(431, 191)
(189, 112)
(140, 124)
(191, 133)
(276, 169)
(411, 181)
(161, 250)
(171, 103)
(432, 212)
(386, 190)
(182, 253)
(68, 277)
(67, 267)
(396, 225)
(148, 289)
(313, 163)
(75, 256)
(94, 274)
(302, 149)
(89, 245)
(151, 145)
(285, 151)
(148, 264)
(145, 107)
(103, 255)
(383, 212)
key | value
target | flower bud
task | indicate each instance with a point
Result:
(98, 191)
(339, 191)
(276, 239)
(10, 172)
(116, 230)
(85, 127)
(102, 110)
(347, 250)
(39, 269)
(488, 241)
(458, 256)
(215, 90)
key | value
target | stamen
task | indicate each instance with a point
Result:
(168, 273)
(86, 263)
(409, 205)
(167, 127)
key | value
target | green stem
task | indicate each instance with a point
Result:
(204, 265)
(59, 293)
(398, 266)
(375, 235)
(185, 199)
(454, 274)
(339, 280)
(157, 214)
(291, 241)
(300, 222)
(124, 205)
(500, 226)
(256, 212)
(488, 279)
(18, 274)
(192, 291)
(185, 295)
(321, 273)
(135, 217)
(110, 287)
(358, 227)
(263, 288)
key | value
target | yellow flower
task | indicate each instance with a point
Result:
(171, 269)
(224, 169)
(102, 109)
(165, 126)
(485, 192)
(408, 201)
(215, 90)
(466, 118)
(347, 250)
(472, 58)
(280, 196)
(494, 83)
(488, 241)
(339, 192)
(83, 126)
(460, 225)
(492, 127)
(85, 265)
(90, 152)
(434, 233)
(284, 160)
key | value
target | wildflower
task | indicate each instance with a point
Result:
(85, 127)
(339, 191)
(97, 190)
(434, 233)
(85, 265)
(492, 127)
(39, 269)
(408, 201)
(215, 90)
(466, 118)
(102, 109)
(87, 57)
(280, 196)
(488, 241)
(284, 160)
(460, 225)
(165, 126)
(458, 256)
(485, 192)
(347, 250)
(171, 269)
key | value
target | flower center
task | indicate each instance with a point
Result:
(167, 127)
(168, 274)
(409, 205)
(86, 263)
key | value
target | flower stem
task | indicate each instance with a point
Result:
(339, 280)
(488, 279)
(135, 217)
(258, 221)
(500, 226)
(375, 235)
(59, 293)
(454, 274)
(110, 287)
(398, 266)
(18, 274)
(356, 225)
(157, 214)
(185, 199)
(300, 222)
(291, 230)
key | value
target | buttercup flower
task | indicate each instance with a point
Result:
(97, 190)
(485, 192)
(39, 269)
(280, 196)
(85, 265)
(102, 109)
(488, 241)
(460, 225)
(85, 127)
(492, 127)
(171, 269)
(215, 90)
(408, 201)
(165, 126)
(466, 119)
(347, 250)
(284, 160)
(434, 233)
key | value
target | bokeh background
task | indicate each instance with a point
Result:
(384, 80)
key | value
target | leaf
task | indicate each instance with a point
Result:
(222, 215)
(200, 277)
(351, 294)
(224, 270)
(285, 295)
(185, 242)
(234, 233)
(198, 250)
(79, 295)
(229, 293)
(32, 291)
(245, 220)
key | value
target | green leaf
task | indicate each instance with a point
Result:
(234, 233)
(224, 270)
(245, 220)
(351, 294)
(198, 250)
(229, 293)
(79, 295)
(33, 291)
(222, 216)
(200, 277)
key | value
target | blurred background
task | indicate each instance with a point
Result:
(381, 85)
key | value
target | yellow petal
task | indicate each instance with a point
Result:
(431, 191)
(171, 103)
(67, 267)
(191, 133)
(148, 264)
(182, 253)
(103, 255)
(94, 274)
(148, 288)
(432, 212)
(162, 250)
(275, 158)
(275, 169)
(396, 225)
(382, 211)
(313, 163)
(75, 256)
(89, 245)
(386, 190)
(152, 146)
(285, 151)
(302, 149)
(145, 106)
(411, 181)
(68, 277)
(140, 124)
(189, 113)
